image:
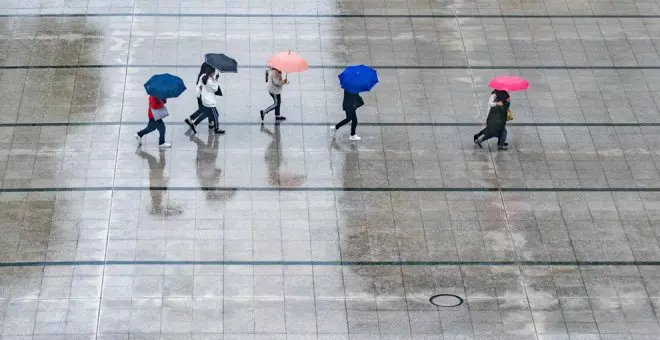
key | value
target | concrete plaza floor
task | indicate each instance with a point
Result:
(276, 231)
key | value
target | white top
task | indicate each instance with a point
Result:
(207, 92)
(491, 100)
(275, 82)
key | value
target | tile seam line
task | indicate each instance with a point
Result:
(327, 189)
(382, 67)
(420, 124)
(334, 16)
(324, 263)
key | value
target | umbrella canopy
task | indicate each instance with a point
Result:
(358, 78)
(509, 83)
(288, 62)
(164, 86)
(221, 62)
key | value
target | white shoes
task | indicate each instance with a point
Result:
(162, 146)
(333, 133)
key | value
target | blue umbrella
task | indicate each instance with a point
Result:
(164, 86)
(358, 78)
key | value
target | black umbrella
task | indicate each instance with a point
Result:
(221, 62)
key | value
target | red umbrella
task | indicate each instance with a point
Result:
(288, 62)
(509, 83)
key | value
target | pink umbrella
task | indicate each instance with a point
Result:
(288, 62)
(509, 83)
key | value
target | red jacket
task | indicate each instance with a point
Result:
(155, 103)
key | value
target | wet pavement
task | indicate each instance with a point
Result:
(280, 232)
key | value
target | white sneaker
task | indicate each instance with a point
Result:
(165, 146)
(138, 139)
(333, 130)
(354, 137)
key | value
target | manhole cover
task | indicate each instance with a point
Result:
(446, 300)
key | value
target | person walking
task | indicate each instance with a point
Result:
(156, 105)
(497, 97)
(204, 69)
(275, 84)
(206, 89)
(352, 101)
(495, 126)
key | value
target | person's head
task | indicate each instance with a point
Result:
(501, 95)
(208, 74)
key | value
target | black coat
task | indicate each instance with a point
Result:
(352, 101)
(496, 120)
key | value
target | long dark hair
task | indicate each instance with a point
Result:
(206, 76)
(501, 95)
(268, 71)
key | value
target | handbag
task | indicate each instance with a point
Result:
(359, 102)
(160, 113)
(509, 115)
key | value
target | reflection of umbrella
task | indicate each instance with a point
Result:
(358, 78)
(509, 83)
(288, 62)
(164, 86)
(221, 62)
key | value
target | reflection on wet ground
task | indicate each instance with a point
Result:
(280, 231)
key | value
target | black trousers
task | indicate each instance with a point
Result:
(210, 113)
(351, 116)
(199, 112)
(501, 139)
(277, 102)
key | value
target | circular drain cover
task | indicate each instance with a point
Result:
(446, 300)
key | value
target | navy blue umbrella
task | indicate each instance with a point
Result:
(164, 86)
(221, 62)
(358, 78)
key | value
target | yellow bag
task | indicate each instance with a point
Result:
(509, 115)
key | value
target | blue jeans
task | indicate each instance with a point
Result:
(154, 125)
(502, 138)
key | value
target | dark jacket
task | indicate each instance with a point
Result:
(496, 121)
(206, 68)
(352, 101)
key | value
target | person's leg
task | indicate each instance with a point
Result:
(501, 142)
(354, 121)
(273, 105)
(149, 128)
(160, 125)
(278, 103)
(200, 110)
(213, 123)
(206, 113)
(345, 121)
(479, 134)
(484, 137)
(214, 111)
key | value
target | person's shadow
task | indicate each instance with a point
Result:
(274, 161)
(157, 183)
(208, 174)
